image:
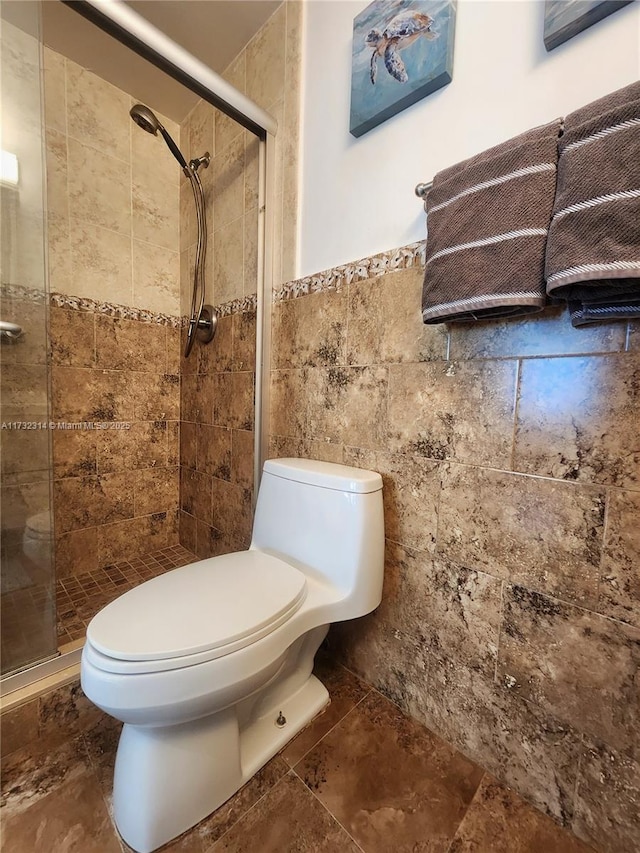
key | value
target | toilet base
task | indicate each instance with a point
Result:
(168, 779)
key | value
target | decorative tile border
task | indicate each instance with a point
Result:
(403, 258)
(26, 294)
(120, 312)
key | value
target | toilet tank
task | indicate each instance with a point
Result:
(326, 519)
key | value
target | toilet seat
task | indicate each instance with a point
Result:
(196, 613)
(39, 526)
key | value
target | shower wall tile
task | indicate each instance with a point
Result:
(75, 453)
(97, 112)
(201, 130)
(119, 345)
(72, 337)
(228, 259)
(100, 264)
(57, 180)
(228, 182)
(55, 104)
(146, 148)
(577, 419)
(232, 513)
(79, 394)
(226, 129)
(30, 348)
(87, 501)
(98, 196)
(156, 396)
(242, 455)
(244, 340)
(251, 171)
(251, 252)
(265, 61)
(156, 278)
(143, 444)
(218, 358)
(76, 552)
(156, 490)
(214, 451)
(128, 539)
(188, 445)
(155, 208)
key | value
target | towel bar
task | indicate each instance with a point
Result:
(421, 191)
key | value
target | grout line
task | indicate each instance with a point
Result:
(466, 812)
(327, 733)
(252, 807)
(516, 412)
(329, 812)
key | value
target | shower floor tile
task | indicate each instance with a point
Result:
(361, 778)
(80, 597)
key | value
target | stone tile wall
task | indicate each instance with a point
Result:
(113, 195)
(218, 380)
(113, 203)
(510, 620)
(115, 490)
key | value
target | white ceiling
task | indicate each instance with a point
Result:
(214, 31)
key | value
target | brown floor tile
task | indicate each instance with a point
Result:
(289, 819)
(345, 690)
(390, 782)
(499, 821)
(71, 819)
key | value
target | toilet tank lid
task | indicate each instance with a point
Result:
(328, 475)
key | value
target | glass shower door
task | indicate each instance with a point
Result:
(28, 611)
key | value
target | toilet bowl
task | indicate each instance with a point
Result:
(209, 666)
(37, 540)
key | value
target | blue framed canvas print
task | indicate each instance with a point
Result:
(563, 19)
(402, 51)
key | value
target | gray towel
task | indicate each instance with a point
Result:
(487, 221)
(593, 250)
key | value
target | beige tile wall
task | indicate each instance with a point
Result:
(114, 236)
(510, 620)
(218, 380)
(113, 195)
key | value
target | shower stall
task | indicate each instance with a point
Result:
(120, 410)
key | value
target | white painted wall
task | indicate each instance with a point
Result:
(358, 194)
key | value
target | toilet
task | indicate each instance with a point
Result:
(37, 540)
(209, 666)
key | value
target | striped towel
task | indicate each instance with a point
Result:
(487, 222)
(593, 251)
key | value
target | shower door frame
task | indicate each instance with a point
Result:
(130, 28)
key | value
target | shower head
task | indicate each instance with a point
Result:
(148, 120)
(145, 118)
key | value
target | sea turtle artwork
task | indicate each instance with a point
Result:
(401, 32)
(402, 50)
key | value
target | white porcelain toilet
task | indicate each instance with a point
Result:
(37, 540)
(209, 666)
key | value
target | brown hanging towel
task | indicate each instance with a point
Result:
(593, 250)
(487, 222)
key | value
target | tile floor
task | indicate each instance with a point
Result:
(30, 625)
(362, 777)
(80, 597)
